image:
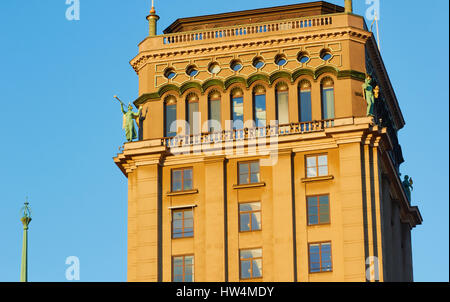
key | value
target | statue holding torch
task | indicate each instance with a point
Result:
(129, 117)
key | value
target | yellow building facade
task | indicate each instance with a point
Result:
(257, 160)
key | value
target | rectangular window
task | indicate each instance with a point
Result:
(182, 180)
(249, 173)
(193, 118)
(260, 110)
(183, 268)
(328, 103)
(316, 166)
(305, 106)
(238, 112)
(318, 210)
(250, 217)
(320, 257)
(283, 107)
(214, 116)
(171, 119)
(182, 223)
(250, 263)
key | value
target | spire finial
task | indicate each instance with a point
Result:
(26, 219)
(152, 20)
(152, 10)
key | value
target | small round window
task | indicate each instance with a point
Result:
(280, 60)
(236, 65)
(258, 63)
(170, 73)
(214, 68)
(303, 57)
(192, 71)
(325, 55)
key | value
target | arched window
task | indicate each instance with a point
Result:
(282, 98)
(259, 106)
(170, 116)
(327, 88)
(214, 111)
(304, 101)
(237, 108)
(192, 114)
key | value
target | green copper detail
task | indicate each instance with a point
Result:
(129, 118)
(26, 219)
(370, 93)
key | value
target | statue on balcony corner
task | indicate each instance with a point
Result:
(370, 94)
(408, 186)
(129, 118)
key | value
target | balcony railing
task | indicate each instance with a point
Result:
(247, 134)
(247, 29)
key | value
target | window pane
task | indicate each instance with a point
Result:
(243, 179)
(256, 221)
(171, 116)
(188, 214)
(238, 112)
(283, 107)
(177, 261)
(323, 199)
(257, 268)
(323, 171)
(177, 224)
(314, 248)
(323, 160)
(245, 222)
(260, 110)
(311, 172)
(214, 115)
(189, 260)
(324, 218)
(245, 269)
(328, 103)
(305, 106)
(326, 247)
(193, 125)
(254, 178)
(311, 162)
(188, 223)
(177, 215)
(243, 168)
(313, 210)
(312, 220)
(176, 180)
(254, 167)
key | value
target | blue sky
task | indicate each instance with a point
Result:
(57, 79)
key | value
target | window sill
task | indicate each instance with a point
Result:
(182, 193)
(253, 185)
(321, 272)
(320, 178)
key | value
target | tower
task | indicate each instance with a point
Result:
(26, 219)
(258, 159)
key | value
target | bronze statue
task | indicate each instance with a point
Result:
(129, 117)
(370, 94)
(408, 186)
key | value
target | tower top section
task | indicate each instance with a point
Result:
(254, 16)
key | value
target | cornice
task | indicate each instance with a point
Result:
(171, 52)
